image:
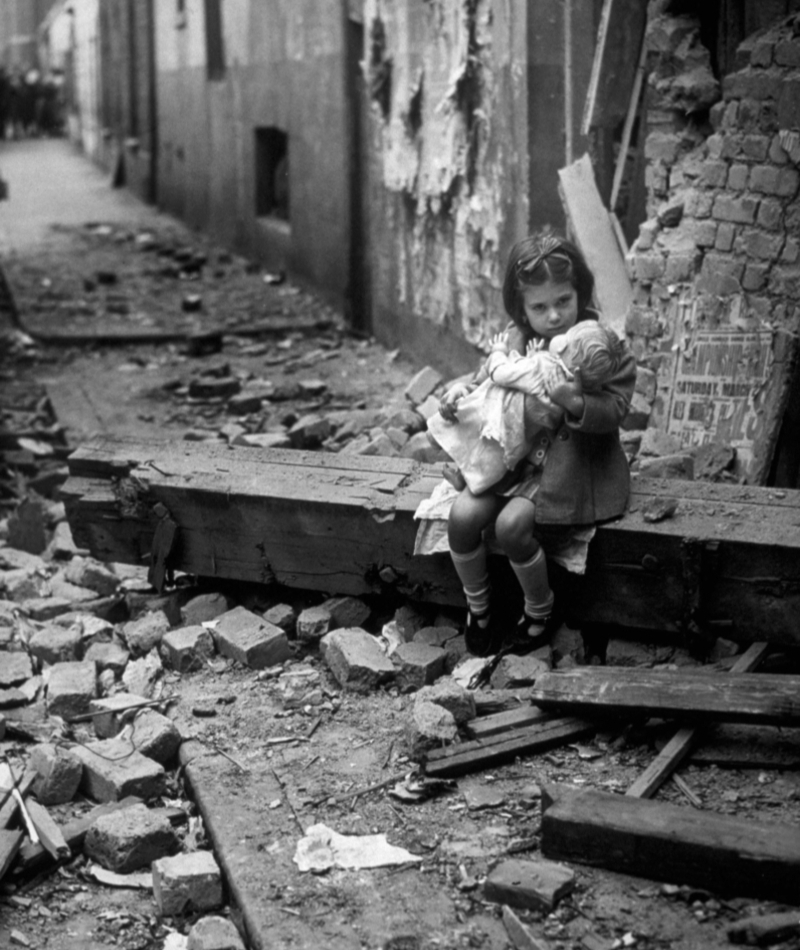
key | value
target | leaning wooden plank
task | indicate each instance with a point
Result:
(670, 843)
(619, 38)
(477, 754)
(681, 744)
(345, 524)
(595, 236)
(50, 834)
(771, 699)
(10, 843)
(484, 726)
(10, 803)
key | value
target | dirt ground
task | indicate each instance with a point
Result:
(278, 770)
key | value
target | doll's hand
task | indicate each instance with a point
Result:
(499, 343)
(569, 395)
(448, 404)
(534, 347)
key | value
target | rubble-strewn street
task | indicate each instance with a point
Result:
(188, 750)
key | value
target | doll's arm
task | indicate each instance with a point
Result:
(602, 410)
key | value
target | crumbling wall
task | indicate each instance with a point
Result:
(719, 250)
(447, 91)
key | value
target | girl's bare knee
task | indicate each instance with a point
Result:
(514, 532)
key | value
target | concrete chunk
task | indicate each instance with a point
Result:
(111, 771)
(313, 623)
(214, 933)
(146, 632)
(15, 668)
(187, 648)
(56, 644)
(58, 774)
(418, 664)
(114, 710)
(155, 736)
(87, 572)
(108, 655)
(71, 688)
(187, 882)
(141, 676)
(459, 702)
(204, 607)
(537, 885)
(129, 839)
(355, 659)
(244, 636)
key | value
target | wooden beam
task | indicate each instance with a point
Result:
(10, 843)
(344, 524)
(681, 744)
(494, 724)
(483, 754)
(50, 834)
(771, 699)
(594, 233)
(672, 843)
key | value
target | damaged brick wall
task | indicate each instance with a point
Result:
(447, 90)
(719, 251)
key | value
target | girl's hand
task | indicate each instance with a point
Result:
(448, 404)
(569, 395)
(499, 343)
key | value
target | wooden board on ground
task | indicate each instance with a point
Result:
(671, 843)
(345, 524)
(681, 744)
(770, 699)
(748, 747)
(10, 843)
(485, 753)
(494, 724)
(594, 234)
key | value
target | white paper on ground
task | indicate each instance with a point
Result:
(322, 848)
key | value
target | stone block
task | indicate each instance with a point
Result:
(140, 676)
(429, 726)
(450, 695)
(281, 615)
(89, 573)
(214, 933)
(533, 885)
(9, 698)
(346, 612)
(129, 839)
(247, 638)
(58, 774)
(56, 644)
(111, 771)
(355, 659)
(187, 648)
(418, 664)
(155, 736)
(112, 711)
(15, 668)
(108, 655)
(422, 385)
(186, 883)
(146, 632)
(204, 607)
(71, 688)
(313, 623)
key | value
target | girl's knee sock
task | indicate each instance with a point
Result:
(532, 577)
(473, 573)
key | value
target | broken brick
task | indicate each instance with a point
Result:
(71, 688)
(534, 885)
(355, 659)
(129, 839)
(187, 882)
(418, 664)
(56, 644)
(187, 648)
(111, 712)
(247, 638)
(15, 669)
(111, 771)
(312, 624)
(58, 774)
(145, 633)
(155, 736)
(108, 656)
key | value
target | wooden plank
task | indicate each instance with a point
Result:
(771, 699)
(479, 754)
(50, 835)
(494, 724)
(681, 744)
(9, 804)
(619, 39)
(329, 522)
(10, 843)
(672, 843)
(594, 234)
(625, 143)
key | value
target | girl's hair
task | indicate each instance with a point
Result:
(544, 256)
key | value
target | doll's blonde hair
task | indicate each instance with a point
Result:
(594, 349)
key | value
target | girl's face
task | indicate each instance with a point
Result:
(550, 308)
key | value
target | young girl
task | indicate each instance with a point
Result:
(575, 475)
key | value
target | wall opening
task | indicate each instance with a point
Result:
(272, 173)
(215, 47)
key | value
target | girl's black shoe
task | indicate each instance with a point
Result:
(479, 634)
(530, 633)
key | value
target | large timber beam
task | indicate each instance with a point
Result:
(728, 556)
